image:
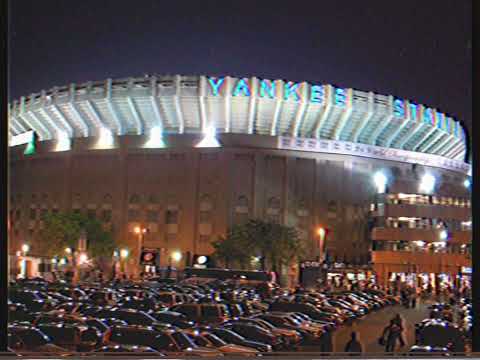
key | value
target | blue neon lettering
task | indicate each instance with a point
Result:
(268, 87)
(340, 97)
(440, 117)
(242, 86)
(398, 108)
(290, 88)
(215, 85)
(428, 116)
(413, 111)
(317, 94)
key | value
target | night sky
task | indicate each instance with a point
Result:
(418, 50)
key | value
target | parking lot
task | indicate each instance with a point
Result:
(203, 319)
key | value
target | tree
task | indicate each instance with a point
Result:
(233, 247)
(63, 230)
(278, 245)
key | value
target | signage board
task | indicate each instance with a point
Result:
(370, 151)
(149, 257)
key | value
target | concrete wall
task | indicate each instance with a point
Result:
(299, 188)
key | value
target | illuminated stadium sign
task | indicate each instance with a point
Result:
(292, 91)
(160, 106)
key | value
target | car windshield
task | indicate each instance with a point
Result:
(264, 324)
(33, 338)
(183, 341)
(275, 321)
(215, 340)
(98, 324)
(165, 298)
(228, 335)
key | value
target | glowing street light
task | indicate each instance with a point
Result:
(124, 253)
(83, 258)
(443, 235)
(25, 248)
(380, 181)
(176, 255)
(202, 259)
(68, 250)
(427, 184)
(466, 183)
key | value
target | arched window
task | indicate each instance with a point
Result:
(134, 199)
(240, 215)
(332, 206)
(242, 201)
(302, 210)
(274, 203)
(206, 207)
(205, 203)
(107, 199)
(153, 199)
(273, 210)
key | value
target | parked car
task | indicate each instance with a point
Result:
(73, 337)
(256, 333)
(211, 314)
(209, 340)
(167, 341)
(232, 337)
(30, 339)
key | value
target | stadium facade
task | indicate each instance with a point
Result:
(188, 156)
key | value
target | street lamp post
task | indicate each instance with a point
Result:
(23, 262)
(321, 244)
(141, 233)
(123, 256)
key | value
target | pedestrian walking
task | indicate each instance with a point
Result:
(414, 299)
(354, 345)
(392, 334)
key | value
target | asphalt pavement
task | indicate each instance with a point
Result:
(370, 327)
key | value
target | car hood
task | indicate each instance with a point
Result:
(204, 351)
(50, 348)
(285, 332)
(232, 348)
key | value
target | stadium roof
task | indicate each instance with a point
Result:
(191, 104)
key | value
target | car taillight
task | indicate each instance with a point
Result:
(108, 334)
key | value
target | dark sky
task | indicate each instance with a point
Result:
(418, 50)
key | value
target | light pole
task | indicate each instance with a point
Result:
(176, 256)
(23, 263)
(141, 233)
(115, 257)
(321, 244)
(123, 256)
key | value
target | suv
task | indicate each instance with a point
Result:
(163, 341)
(203, 313)
(29, 339)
